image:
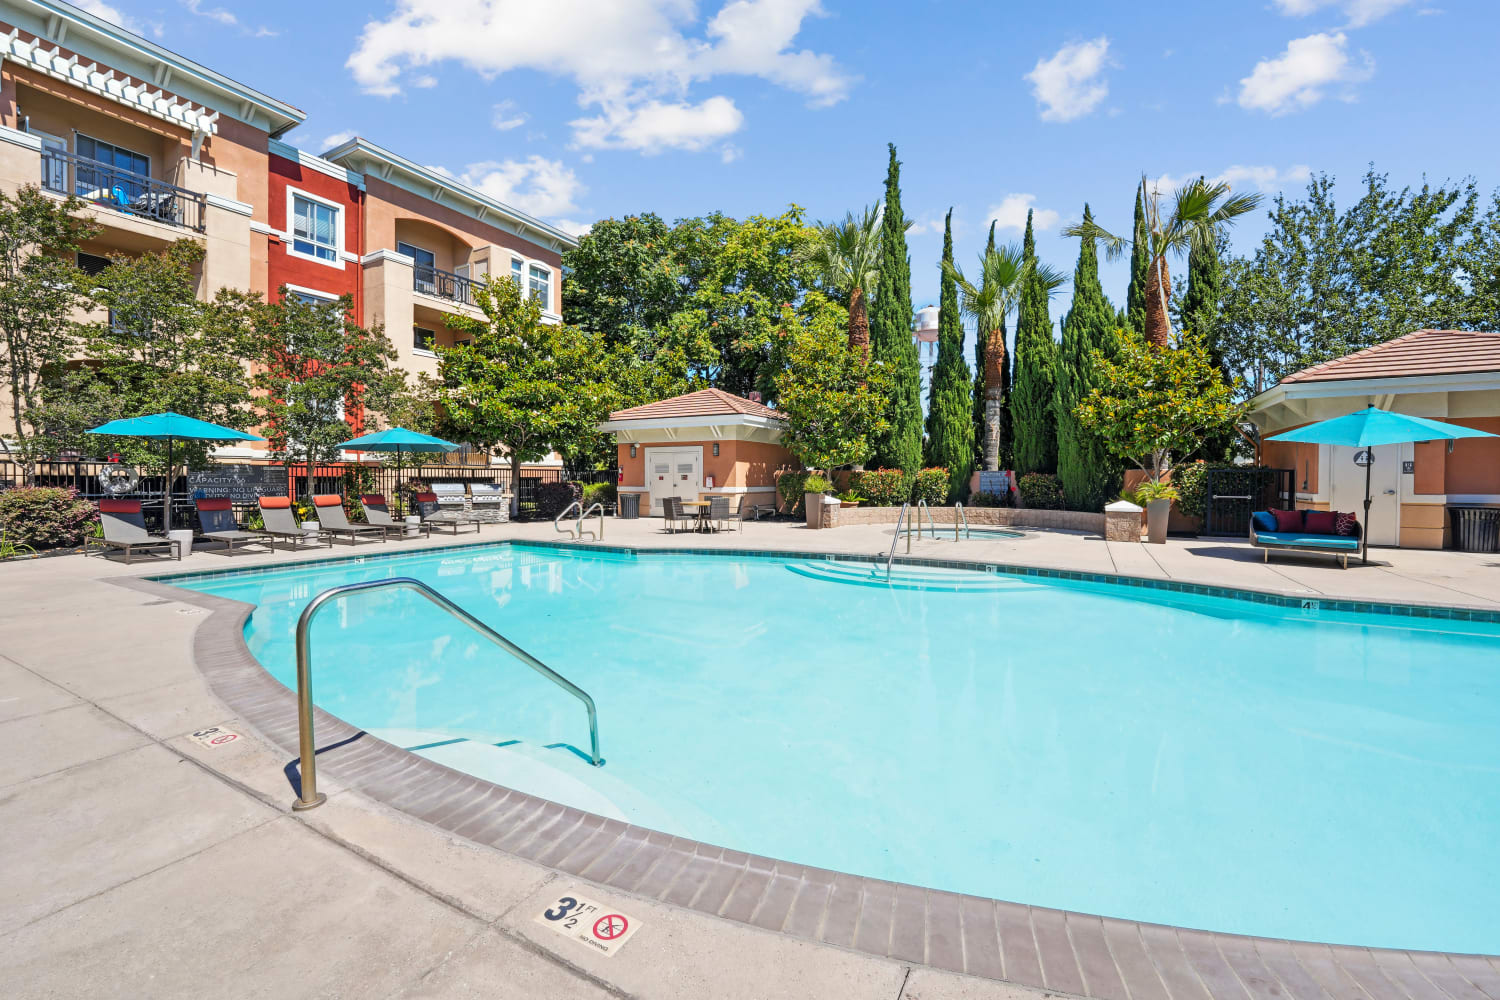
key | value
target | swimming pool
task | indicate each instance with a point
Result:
(1155, 756)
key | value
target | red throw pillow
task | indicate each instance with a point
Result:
(1288, 520)
(1321, 522)
(1344, 524)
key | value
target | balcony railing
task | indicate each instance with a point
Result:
(443, 284)
(122, 190)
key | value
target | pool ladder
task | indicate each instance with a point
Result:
(576, 529)
(310, 795)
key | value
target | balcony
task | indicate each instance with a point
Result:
(443, 284)
(108, 186)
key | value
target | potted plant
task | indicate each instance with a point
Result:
(814, 488)
(1156, 496)
(849, 498)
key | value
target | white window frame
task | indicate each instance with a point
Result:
(551, 275)
(328, 298)
(424, 352)
(292, 194)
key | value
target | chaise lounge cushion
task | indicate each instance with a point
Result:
(275, 503)
(1300, 539)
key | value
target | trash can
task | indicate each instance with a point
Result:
(630, 506)
(1476, 529)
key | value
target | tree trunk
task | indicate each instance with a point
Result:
(994, 396)
(515, 485)
(1158, 294)
(859, 323)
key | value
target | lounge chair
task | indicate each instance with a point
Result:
(280, 523)
(334, 523)
(125, 528)
(217, 523)
(377, 513)
(1266, 534)
(434, 516)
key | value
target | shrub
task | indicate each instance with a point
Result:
(816, 483)
(1040, 491)
(930, 485)
(881, 487)
(46, 516)
(598, 493)
(357, 480)
(553, 498)
(986, 500)
(1149, 492)
(791, 487)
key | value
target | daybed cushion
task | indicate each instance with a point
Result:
(1300, 539)
(1262, 521)
(1321, 522)
(1288, 520)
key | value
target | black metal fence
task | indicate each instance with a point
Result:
(444, 284)
(122, 190)
(1231, 495)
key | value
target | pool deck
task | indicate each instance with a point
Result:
(137, 862)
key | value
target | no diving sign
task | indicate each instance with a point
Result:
(214, 736)
(599, 927)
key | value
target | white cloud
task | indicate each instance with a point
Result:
(1359, 12)
(226, 18)
(536, 185)
(504, 116)
(576, 228)
(635, 61)
(110, 13)
(1264, 179)
(730, 153)
(337, 139)
(1301, 76)
(654, 126)
(1010, 213)
(426, 81)
(1070, 84)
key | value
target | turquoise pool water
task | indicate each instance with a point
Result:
(1190, 760)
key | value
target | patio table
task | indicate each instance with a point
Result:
(702, 508)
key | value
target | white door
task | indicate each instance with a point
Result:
(673, 472)
(1348, 493)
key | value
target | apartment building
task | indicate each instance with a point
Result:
(162, 148)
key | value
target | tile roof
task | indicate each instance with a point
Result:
(1413, 355)
(703, 403)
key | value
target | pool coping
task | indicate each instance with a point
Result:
(1056, 950)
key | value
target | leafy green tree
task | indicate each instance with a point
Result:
(846, 256)
(520, 384)
(950, 408)
(1153, 406)
(1140, 264)
(40, 289)
(160, 349)
(318, 370)
(1198, 310)
(1200, 211)
(1033, 421)
(834, 400)
(899, 446)
(1090, 475)
(624, 280)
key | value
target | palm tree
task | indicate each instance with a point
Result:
(1003, 273)
(847, 257)
(1199, 211)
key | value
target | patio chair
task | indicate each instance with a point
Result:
(673, 517)
(333, 521)
(434, 516)
(745, 510)
(125, 528)
(377, 513)
(217, 523)
(279, 522)
(719, 513)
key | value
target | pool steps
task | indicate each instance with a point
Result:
(864, 574)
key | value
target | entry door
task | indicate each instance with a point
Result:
(673, 473)
(1385, 480)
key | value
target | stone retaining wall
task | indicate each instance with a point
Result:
(1068, 520)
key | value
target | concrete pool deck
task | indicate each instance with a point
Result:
(140, 863)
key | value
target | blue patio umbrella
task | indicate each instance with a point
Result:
(168, 427)
(399, 441)
(1368, 428)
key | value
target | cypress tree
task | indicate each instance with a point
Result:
(891, 344)
(1090, 475)
(1200, 314)
(978, 393)
(1140, 265)
(950, 404)
(1032, 420)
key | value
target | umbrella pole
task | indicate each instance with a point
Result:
(1364, 536)
(166, 496)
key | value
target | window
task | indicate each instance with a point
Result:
(541, 286)
(91, 263)
(315, 229)
(424, 273)
(312, 298)
(515, 271)
(421, 340)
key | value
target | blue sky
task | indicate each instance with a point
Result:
(577, 111)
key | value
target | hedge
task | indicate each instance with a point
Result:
(789, 486)
(880, 487)
(554, 498)
(46, 516)
(1041, 491)
(930, 485)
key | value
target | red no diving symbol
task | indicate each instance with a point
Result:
(610, 926)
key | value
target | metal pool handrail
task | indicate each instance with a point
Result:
(891, 555)
(310, 796)
(958, 512)
(917, 516)
(557, 521)
(584, 516)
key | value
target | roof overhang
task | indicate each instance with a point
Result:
(1288, 395)
(137, 73)
(372, 160)
(716, 420)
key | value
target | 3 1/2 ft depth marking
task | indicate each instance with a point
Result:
(599, 927)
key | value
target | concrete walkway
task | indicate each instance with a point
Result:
(138, 861)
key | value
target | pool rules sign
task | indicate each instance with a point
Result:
(598, 927)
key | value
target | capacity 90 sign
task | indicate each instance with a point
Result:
(601, 928)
